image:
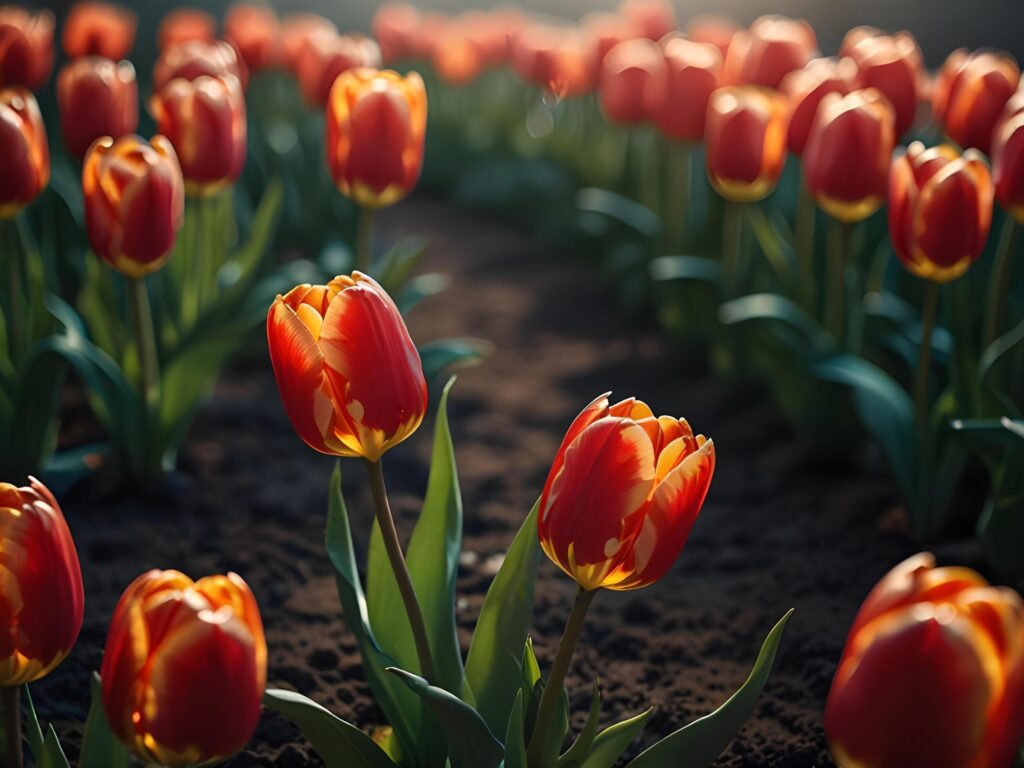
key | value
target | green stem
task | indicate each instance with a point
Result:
(382, 510)
(10, 241)
(921, 400)
(10, 704)
(677, 196)
(192, 286)
(806, 214)
(840, 235)
(732, 248)
(999, 283)
(364, 241)
(149, 379)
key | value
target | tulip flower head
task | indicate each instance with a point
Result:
(773, 47)
(713, 29)
(195, 59)
(623, 494)
(298, 31)
(256, 34)
(602, 31)
(184, 668)
(1008, 158)
(745, 136)
(693, 74)
(653, 19)
(633, 81)
(849, 151)
(932, 673)
(26, 47)
(349, 375)
(806, 87)
(326, 56)
(892, 64)
(457, 58)
(41, 602)
(394, 26)
(99, 29)
(940, 209)
(376, 126)
(970, 94)
(134, 202)
(24, 152)
(97, 97)
(185, 25)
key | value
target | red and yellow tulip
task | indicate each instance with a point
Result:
(23, 148)
(970, 93)
(893, 65)
(1008, 158)
(26, 47)
(693, 74)
(195, 59)
(99, 29)
(773, 47)
(633, 81)
(806, 87)
(97, 97)
(326, 56)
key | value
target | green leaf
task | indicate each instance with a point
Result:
(339, 744)
(614, 740)
(470, 742)
(698, 268)
(443, 355)
(532, 688)
(991, 368)
(33, 731)
(787, 320)
(100, 748)
(515, 746)
(578, 752)
(53, 754)
(699, 744)
(44, 745)
(494, 663)
(393, 269)
(627, 212)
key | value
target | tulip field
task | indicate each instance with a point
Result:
(485, 388)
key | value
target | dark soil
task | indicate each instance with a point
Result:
(782, 526)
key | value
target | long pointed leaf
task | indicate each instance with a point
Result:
(100, 748)
(515, 747)
(614, 740)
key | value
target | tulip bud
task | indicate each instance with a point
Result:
(326, 56)
(297, 33)
(24, 153)
(26, 47)
(932, 673)
(746, 141)
(99, 29)
(196, 59)
(1008, 158)
(849, 150)
(394, 26)
(42, 600)
(134, 202)
(893, 65)
(694, 70)
(184, 668)
(970, 93)
(255, 33)
(651, 18)
(185, 25)
(633, 81)
(713, 29)
(97, 97)
(376, 124)
(773, 47)
(205, 121)
(806, 87)
(622, 495)
(349, 375)
(940, 210)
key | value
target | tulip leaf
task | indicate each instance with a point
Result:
(622, 209)
(993, 360)
(494, 661)
(100, 748)
(788, 321)
(697, 268)
(339, 744)
(610, 743)
(445, 354)
(470, 742)
(532, 690)
(515, 746)
(699, 744)
(43, 743)
(578, 752)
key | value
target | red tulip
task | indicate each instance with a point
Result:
(652, 18)
(932, 673)
(806, 87)
(197, 59)
(41, 603)
(623, 494)
(602, 31)
(394, 25)
(633, 81)
(893, 65)
(326, 56)
(186, 25)
(255, 33)
(429, 28)
(1008, 158)
(694, 71)
(940, 210)
(492, 31)
(99, 29)
(712, 28)
(26, 47)
(349, 375)
(773, 47)
(184, 668)
(297, 33)
(533, 53)
(970, 93)
(24, 153)
(97, 97)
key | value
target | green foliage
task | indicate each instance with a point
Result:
(100, 748)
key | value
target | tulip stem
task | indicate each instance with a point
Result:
(535, 756)
(364, 238)
(10, 703)
(806, 214)
(386, 521)
(835, 304)
(11, 244)
(924, 354)
(999, 283)
(677, 196)
(193, 264)
(145, 340)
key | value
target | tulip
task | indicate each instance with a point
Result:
(603, 31)
(1008, 159)
(184, 668)
(26, 47)
(457, 58)
(326, 56)
(806, 87)
(893, 65)
(571, 68)
(694, 70)
(376, 123)
(394, 26)
(633, 81)
(349, 375)
(932, 673)
(970, 93)
(97, 97)
(533, 52)
(652, 18)
(24, 153)
(196, 59)
(99, 29)
(849, 149)
(773, 47)
(205, 121)
(940, 210)
(298, 31)
(491, 31)
(255, 33)
(746, 141)
(42, 600)
(185, 25)
(712, 28)
(134, 202)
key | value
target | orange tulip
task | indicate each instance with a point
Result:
(185, 25)
(97, 97)
(1008, 158)
(932, 673)
(694, 71)
(745, 141)
(205, 121)
(26, 47)
(773, 47)
(349, 375)
(571, 68)
(24, 153)
(457, 58)
(806, 87)
(134, 202)
(623, 494)
(196, 59)
(849, 150)
(970, 93)
(376, 123)
(184, 668)
(651, 18)
(892, 64)
(534, 50)
(297, 33)
(712, 28)
(326, 56)
(394, 26)
(99, 29)
(255, 33)
(633, 81)
(41, 601)
(940, 209)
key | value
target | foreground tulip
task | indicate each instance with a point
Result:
(205, 121)
(940, 210)
(97, 97)
(633, 81)
(806, 87)
(99, 29)
(325, 56)
(893, 65)
(297, 33)
(693, 73)
(24, 152)
(184, 668)
(255, 33)
(773, 47)
(26, 47)
(970, 93)
(185, 25)
(932, 673)
(134, 202)
(195, 59)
